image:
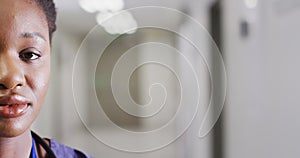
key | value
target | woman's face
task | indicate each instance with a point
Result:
(24, 64)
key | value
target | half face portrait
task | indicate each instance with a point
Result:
(24, 64)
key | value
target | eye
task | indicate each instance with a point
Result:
(29, 55)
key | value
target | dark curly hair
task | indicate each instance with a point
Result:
(49, 9)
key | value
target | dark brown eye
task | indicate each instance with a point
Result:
(29, 55)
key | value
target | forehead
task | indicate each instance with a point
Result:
(20, 16)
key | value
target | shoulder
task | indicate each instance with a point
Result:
(64, 151)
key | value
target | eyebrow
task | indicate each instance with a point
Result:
(32, 35)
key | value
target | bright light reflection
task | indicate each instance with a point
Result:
(251, 3)
(117, 23)
(110, 15)
(93, 6)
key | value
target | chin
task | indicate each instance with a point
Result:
(13, 127)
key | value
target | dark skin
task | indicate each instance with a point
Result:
(24, 73)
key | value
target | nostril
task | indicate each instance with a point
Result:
(2, 86)
(19, 85)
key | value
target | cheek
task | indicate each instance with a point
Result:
(38, 81)
(41, 86)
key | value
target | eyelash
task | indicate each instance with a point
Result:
(29, 55)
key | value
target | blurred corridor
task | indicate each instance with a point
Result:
(258, 41)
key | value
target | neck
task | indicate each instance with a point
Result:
(19, 146)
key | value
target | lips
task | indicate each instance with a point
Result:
(13, 106)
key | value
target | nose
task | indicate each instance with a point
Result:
(11, 74)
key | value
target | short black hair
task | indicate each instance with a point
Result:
(49, 9)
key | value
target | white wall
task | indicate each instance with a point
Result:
(261, 111)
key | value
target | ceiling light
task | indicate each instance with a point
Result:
(251, 3)
(117, 23)
(93, 6)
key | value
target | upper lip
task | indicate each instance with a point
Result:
(13, 100)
